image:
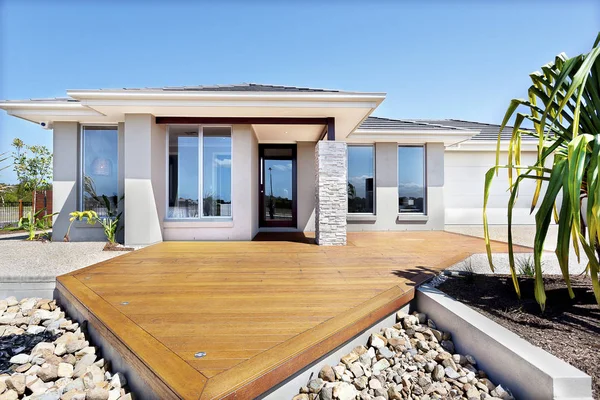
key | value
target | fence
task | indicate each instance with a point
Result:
(10, 213)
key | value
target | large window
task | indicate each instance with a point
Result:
(216, 167)
(100, 169)
(183, 172)
(361, 164)
(411, 179)
(199, 168)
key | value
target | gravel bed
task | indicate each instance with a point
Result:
(45, 356)
(24, 259)
(411, 360)
(522, 235)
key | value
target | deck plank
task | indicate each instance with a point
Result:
(259, 310)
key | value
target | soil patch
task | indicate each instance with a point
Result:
(568, 329)
(116, 247)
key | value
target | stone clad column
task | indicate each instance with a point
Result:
(331, 193)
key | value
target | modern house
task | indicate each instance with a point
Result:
(227, 162)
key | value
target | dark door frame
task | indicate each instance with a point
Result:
(262, 221)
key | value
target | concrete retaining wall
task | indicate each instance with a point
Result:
(528, 371)
(22, 287)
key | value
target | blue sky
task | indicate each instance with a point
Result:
(434, 59)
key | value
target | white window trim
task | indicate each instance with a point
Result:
(201, 217)
(372, 145)
(81, 160)
(405, 215)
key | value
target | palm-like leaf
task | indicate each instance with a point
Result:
(564, 108)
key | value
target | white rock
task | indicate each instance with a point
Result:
(28, 304)
(35, 329)
(50, 395)
(11, 301)
(65, 370)
(114, 394)
(9, 395)
(7, 318)
(344, 391)
(377, 340)
(86, 350)
(42, 347)
(60, 349)
(118, 380)
(97, 394)
(20, 359)
(44, 315)
(37, 386)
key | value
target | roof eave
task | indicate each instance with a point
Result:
(40, 105)
(449, 137)
(490, 145)
(206, 95)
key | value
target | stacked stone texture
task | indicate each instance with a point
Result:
(331, 200)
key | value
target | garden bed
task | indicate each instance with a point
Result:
(412, 359)
(568, 329)
(46, 356)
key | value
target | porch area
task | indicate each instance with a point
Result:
(212, 320)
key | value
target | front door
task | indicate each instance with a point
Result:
(277, 185)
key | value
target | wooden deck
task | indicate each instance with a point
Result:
(260, 310)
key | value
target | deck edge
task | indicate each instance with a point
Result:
(191, 382)
(298, 356)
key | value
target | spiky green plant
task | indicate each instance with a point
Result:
(564, 108)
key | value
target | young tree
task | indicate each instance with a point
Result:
(563, 106)
(3, 187)
(33, 166)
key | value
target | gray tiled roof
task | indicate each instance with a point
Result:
(241, 87)
(379, 123)
(481, 131)
(485, 131)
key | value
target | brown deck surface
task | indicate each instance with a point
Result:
(261, 310)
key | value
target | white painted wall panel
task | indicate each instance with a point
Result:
(463, 191)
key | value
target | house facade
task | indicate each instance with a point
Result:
(228, 162)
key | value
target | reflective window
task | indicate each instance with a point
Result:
(183, 172)
(361, 161)
(100, 169)
(216, 175)
(411, 179)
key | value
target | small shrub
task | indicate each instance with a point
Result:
(36, 226)
(467, 266)
(526, 267)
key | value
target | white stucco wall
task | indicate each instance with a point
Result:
(386, 193)
(141, 147)
(244, 222)
(306, 186)
(65, 171)
(465, 176)
(254, 182)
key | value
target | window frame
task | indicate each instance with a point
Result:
(425, 194)
(81, 160)
(201, 217)
(372, 145)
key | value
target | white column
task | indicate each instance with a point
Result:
(65, 176)
(331, 169)
(142, 156)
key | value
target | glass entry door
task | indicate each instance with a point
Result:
(277, 185)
